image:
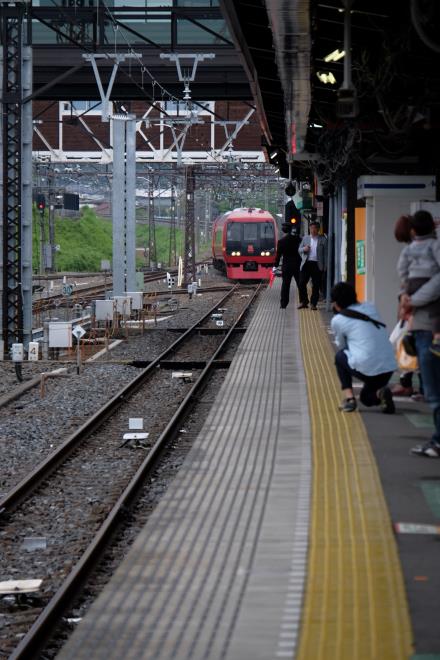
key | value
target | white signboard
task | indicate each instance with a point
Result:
(60, 335)
(78, 332)
(17, 352)
(33, 351)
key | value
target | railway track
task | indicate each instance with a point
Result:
(87, 294)
(105, 429)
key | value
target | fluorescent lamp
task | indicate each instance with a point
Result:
(334, 56)
(326, 77)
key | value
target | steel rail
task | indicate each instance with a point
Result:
(41, 304)
(34, 478)
(49, 617)
(96, 289)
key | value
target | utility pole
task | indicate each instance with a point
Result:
(152, 260)
(50, 251)
(172, 258)
(189, 262)
(41, 206)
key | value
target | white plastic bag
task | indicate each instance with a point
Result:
(397, 334)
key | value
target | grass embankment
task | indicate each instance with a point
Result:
(85, 241)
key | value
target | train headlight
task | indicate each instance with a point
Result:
(262, 254)
(267, 254)
(232, 254)
(238, 254)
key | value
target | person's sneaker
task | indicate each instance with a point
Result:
(417, 396)
(313, 307)
(348, 405)
(386, 401)
(302, 306)
(435, 348)
(430, 450)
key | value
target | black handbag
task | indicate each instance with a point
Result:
(409, 344)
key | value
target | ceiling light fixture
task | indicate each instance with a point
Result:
(326, 77)
(335, 56)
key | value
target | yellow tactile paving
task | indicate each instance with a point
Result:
(355, 603)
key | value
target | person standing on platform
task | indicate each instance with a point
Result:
(419, 265)
(365, 350)
(287, 249)
(313, 252)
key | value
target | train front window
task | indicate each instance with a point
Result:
(250, 237)
(250, 232)
(267, 236)
(233, 237)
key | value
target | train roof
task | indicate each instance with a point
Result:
(246, 214)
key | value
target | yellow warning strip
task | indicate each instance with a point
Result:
(355, 602)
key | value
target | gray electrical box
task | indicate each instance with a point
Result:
(347, 104)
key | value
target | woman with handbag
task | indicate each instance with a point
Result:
(419, 267)
(407, 361)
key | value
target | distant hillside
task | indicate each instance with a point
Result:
(84, 242)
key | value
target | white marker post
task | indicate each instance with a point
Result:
(78, 332)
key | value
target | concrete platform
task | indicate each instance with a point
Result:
(218, 571)
(249, 558)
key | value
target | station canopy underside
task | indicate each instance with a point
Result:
(395, 75)
(271, 54)
(62, 34)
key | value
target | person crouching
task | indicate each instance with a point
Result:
(365, 350)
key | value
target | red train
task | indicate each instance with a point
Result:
(244, 243)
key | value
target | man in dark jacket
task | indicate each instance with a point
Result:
(287, 248)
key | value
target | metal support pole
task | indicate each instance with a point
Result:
(52, 230)
(42, 241)
(11, 174)
(343, 258)
(130, 205)
(337, 230)
(118, 206)
(3, 220)
(45, 349)
(329, 254)
(189, 263)
(151, 225)
(26, 197)
(347, 84)
(172, 258)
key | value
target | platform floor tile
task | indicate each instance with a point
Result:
(218, 571)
